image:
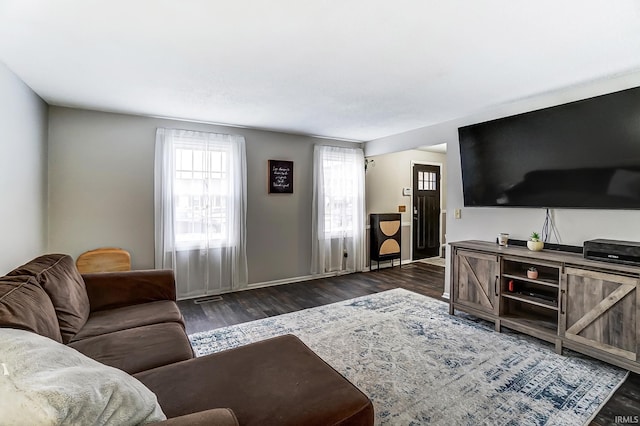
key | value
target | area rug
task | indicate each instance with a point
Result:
(419, 365)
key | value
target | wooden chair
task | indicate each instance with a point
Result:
(106, 259)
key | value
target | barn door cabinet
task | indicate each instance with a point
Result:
(588, 306)
(599, 315)
(476, 282)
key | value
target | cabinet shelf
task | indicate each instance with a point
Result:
(545, 329)
(541, 281)
(537, 301)
(530, 321)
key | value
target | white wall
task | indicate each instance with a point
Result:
(23, 172)
(101, 190)
(574, 226)
(385, 180)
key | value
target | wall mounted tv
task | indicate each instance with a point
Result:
(583, 154)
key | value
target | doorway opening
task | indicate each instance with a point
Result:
(426, 211)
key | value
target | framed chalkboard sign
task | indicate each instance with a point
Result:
(280, 177)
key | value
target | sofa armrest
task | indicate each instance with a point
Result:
(108, 290)
(213, 417)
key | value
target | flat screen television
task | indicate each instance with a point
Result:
(584, 154)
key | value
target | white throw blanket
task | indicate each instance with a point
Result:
(43, 382)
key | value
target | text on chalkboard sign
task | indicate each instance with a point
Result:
(280, 177)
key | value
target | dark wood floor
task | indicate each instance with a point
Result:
(249, 305)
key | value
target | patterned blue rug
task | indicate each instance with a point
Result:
(419, 365)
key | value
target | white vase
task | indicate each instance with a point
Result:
(535, 245)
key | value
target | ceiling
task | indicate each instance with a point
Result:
(351, 69)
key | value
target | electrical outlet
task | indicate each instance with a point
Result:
(457, 213)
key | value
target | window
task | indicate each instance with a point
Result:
(201, 193)
(427, 181)
(201, 185)
(200, 210)
(338, 209)
(341, 193)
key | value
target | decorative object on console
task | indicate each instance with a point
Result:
(534, 243)
(503, 239)
(532, 273)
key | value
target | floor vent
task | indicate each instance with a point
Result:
(207, 299)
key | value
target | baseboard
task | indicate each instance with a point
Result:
(445, 295)
(274, 283)
(386, 264)
(296, 279)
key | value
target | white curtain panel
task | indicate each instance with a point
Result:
(338, 212)
(201, 210)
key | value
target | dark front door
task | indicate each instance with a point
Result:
(426, 211)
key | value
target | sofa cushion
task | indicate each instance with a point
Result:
(58, 275)
(25, 305)
(109, 290)
(276, 381)
(45, 382)
(103, 322)
(138, 349)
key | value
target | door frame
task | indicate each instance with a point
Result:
(426, 163)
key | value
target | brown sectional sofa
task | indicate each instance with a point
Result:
(130, 321)
(132, 330)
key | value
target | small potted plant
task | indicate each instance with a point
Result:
(534, 243)
(532, 273)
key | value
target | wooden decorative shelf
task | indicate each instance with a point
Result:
(541, 281)
(537, 301)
